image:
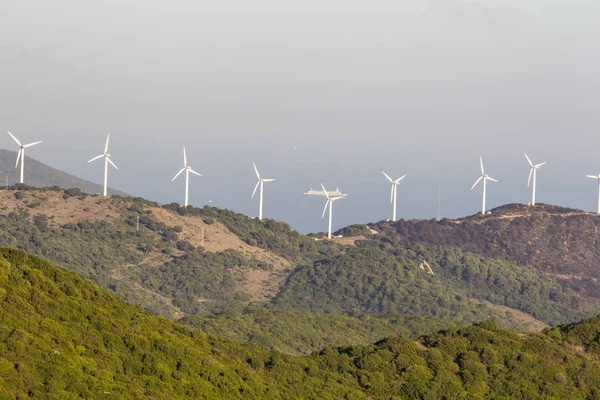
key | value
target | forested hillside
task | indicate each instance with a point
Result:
(63, 337)
(554, 240)
(300, 332)
(208, 262)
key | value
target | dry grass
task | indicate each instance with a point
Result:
(52, 204)
(261, 285)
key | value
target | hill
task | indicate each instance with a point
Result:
(177, 261)
(555, 241)
(41, 175)
(63, 337)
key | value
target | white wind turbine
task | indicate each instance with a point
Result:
(187, 170)
(21, 153)
(329, 203)
(485, 178)
(598, 179)
(259, 183)
(393, 193)
(106, 161)
(533, 172)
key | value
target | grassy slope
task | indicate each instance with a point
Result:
(61, 336)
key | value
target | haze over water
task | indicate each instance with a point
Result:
(326, 91)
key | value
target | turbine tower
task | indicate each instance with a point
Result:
(259, 183)
(598, 179)
(187, 170)
(329, 203)
(21, 153)
(107, 160)
(393, 193)
(485, 178)
(533, 172)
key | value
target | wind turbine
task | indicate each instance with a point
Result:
(393, 192)
(21, 153)
(533, 172)
(329, 203)
(106, 161)
(485, 178)
(187, 170)
(598, 179)
(259, 183)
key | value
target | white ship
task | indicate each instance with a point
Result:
(331, 193)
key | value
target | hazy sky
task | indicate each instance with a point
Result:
(319, 91)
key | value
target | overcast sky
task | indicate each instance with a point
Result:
(320, 91)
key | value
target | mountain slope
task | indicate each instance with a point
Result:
(63, 337)
(38, 174)
(557, 241)
(153, 256)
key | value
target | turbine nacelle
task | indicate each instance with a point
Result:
(21, 154)
(260, 180)
(186, 167)
(533, 168)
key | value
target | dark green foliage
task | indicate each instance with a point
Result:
(199, 281)
(72, 192)
(63, 337)
(378, 277)
(297, 332)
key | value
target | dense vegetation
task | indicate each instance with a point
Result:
(547, 238)
(378, 277)
(129, 251)
(148, 263)
(63, 337)
(298, 332)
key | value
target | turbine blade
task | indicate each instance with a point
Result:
(256, 170)
(255, 188)
(539, 165)
(106, 147)
(387, 176)
(392, 194)
(184, 157)
(528, 160)
(194, 172)
(337, 198)
(476, 182)
(14, 138)
(492, 179)
(97, 157)
(530, 174)
(32, 144)
(18, 157)
(179, 173)
(481, 162)
(399, 179)
(591, 176)
(325, 190)
(111, 163)
(325, 209)
(267, 180)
